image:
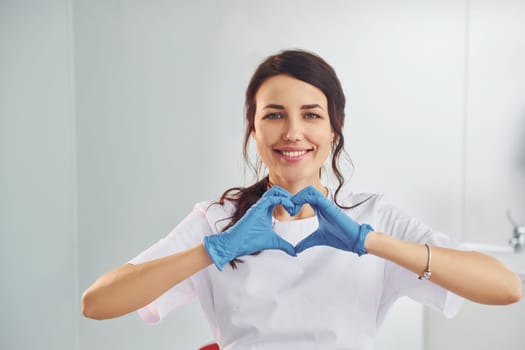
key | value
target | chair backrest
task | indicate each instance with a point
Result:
(213, 346)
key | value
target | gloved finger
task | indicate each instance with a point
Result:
(308, 242)
(276, 191)
(275, 200)
(291, 207)
(275, 196)
(308, 195)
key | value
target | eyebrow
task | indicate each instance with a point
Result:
(310, 106)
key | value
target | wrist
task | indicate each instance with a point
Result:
(364, 231)
(217, 250)
(373, 241)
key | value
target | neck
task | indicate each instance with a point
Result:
(295, 186)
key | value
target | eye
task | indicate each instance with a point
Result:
(312, 116)
(273, 116)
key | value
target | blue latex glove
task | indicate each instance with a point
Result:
(252, 233)
(336, 229)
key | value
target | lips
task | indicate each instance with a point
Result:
(293, 153)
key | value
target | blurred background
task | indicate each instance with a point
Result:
(117, 116)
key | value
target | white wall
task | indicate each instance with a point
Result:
(495, 133)
(494, 168)
(158, 90)
(38, 287)
(147, 143)
(143, 72)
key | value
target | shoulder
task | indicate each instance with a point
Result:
(377, 211)
(372, 208)
(347, 198)
(216, 214)
(378, 202)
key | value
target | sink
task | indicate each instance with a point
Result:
(514, 261)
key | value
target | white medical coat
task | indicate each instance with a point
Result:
(324, 298)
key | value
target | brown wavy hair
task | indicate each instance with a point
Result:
(312, 69)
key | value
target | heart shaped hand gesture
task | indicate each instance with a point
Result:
(253, 232)
(336, 229)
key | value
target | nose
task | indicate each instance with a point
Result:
(294, 129)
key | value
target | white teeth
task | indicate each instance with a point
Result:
(294, 154)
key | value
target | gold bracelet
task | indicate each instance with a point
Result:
(427, 274)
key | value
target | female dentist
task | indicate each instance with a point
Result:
(289, 263)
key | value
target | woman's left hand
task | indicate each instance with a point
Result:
(252, 233)
(336, 229)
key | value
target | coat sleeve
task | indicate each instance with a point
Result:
(398, 281)
(187, 234)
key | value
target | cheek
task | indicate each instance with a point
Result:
(324, 137)
(261, 144)
(265, 135)
(325, 144)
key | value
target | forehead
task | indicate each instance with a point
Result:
(288, 91)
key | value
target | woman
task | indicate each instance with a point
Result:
(310, 266)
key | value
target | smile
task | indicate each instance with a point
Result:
(293, 154)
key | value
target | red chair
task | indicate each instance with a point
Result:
(213, 346)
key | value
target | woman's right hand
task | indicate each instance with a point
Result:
(252, 233)
(336, 229)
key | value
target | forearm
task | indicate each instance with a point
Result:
(473, 275)
(131, 287)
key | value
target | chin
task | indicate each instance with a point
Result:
(295, 177)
